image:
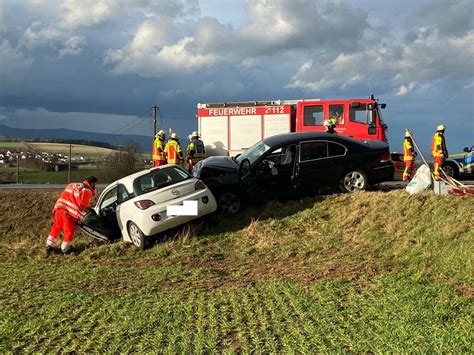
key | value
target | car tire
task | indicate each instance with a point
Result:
(451, 169)
(136, 236)
(353, 180)
(229, 203)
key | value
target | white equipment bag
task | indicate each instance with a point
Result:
(421, 181)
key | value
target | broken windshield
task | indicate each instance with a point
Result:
(253, 153)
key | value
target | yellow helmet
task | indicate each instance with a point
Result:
(174, 136)
(441, 127)
(408, 133)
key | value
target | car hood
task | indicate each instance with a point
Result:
(220, 162)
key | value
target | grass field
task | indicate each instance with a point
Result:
(6, 145)
(368, 272)
(77, 149)
(30, 176)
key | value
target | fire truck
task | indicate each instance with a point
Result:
(228, 128)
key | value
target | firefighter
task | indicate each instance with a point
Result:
(68, 210)
(159, 156)
(438, 150)
(195, 151)
(173, 151)
(330, 125)
(409, 155)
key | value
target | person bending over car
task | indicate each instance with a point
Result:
(68, 210)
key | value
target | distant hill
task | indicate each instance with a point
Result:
(143, 142)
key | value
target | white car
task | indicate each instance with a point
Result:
(138, 206)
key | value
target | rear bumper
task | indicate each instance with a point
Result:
(150, 227)
(381, 173)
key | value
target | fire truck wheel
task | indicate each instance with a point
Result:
(229, 203)
(353, 180)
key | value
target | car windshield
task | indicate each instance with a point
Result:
(254, 152)
(159, 178)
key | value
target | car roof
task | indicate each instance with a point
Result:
(128, 180)
(302, 136)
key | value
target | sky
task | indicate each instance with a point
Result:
(99, 65)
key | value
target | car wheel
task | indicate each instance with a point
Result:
(136, 235)
(229, 203)
(353, 180)
(451, 169)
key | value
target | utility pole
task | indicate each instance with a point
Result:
(153, 110)
(69, 165)
(17, 168)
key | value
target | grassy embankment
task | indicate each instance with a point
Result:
(370, 271)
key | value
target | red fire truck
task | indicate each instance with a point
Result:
(228, 128)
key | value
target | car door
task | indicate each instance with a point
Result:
(320, 163)
(103, 219)
(275, 172)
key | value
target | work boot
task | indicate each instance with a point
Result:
(48, 249)
(66, 251)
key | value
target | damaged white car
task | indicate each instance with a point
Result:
(147, 203)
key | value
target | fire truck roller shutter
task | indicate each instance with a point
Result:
(276, 124)
(214, 133)
(245, 131)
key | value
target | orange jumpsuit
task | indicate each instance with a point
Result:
(67, 210)
(408, 158)
(159, 156)
(439, 152)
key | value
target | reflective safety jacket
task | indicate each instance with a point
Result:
(74, 199)
(408, 150)
(159, 150)
(173, 151)
(438, 145)
(195, 148)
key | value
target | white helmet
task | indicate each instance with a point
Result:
(441, 127)
(174, 136)
(194, 134)
(408, 133)
(161, 133)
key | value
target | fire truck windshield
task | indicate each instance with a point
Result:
(253, 153)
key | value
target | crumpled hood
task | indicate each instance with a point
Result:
(220, 162)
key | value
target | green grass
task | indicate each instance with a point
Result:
(369, 272)
(77, 149)
(6, 145)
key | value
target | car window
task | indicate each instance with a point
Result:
(361, 114)
(254, 152)
(337, 112)
(313, 115)
(110, 198)
(159, 178)
(313, 150)
(335, 149)
(123, 194)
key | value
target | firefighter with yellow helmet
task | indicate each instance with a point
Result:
(173, 151)
(438, 150)
(159, 156)
(195, 151)
(409, 155)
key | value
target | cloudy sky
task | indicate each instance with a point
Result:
(99, 65)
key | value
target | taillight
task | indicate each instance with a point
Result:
(199, 185)
(385, 157)
(144, 204)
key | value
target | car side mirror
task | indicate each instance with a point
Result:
(372, 129)
(383, 105)
(245, 169)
